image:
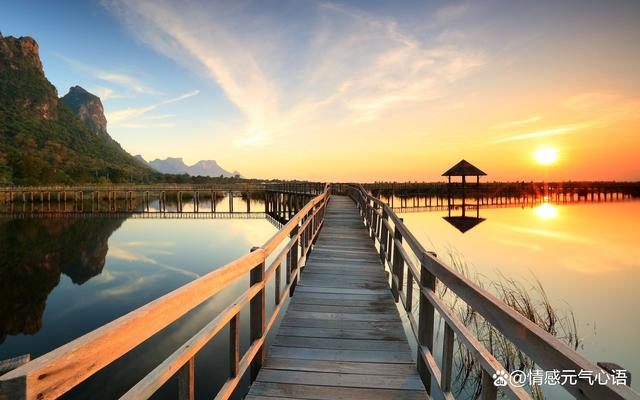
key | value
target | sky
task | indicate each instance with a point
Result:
(356, 91)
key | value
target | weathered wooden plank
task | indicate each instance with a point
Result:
(339, 343)
(342, 316)
(369, 334)
(378, 296)
(311, 289)
(332, 393)
(340, 302)
(343, 367)
(340, 284)
(342, 355)
(13, 363)
(340, 324)
(367, 309)
(338, 379)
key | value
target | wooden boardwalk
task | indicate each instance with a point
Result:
(341, 337)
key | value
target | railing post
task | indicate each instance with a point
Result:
(374, 222)
(186, 381)
(293, 259)
(425, 321)
(256, 318)
(489, 390)
(447, 358)
(384, 243)
(234, 346)
(397, 269)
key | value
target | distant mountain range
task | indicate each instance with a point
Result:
(176, 165)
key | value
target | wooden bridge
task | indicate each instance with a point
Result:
(282, 200)
(341, 336)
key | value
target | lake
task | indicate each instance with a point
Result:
(586, 257)
(61, 278)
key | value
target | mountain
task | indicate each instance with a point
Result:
(209, 168)
(176, 165)
(88, 108)
(42, 141)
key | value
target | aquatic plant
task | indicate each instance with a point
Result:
(528, 298)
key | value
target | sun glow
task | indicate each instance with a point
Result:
(546, 155)
(546, 211)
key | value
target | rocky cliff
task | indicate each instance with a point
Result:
(88, 108)
(22, 81)
(41, 140)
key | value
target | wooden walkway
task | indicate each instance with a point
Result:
(341, 337)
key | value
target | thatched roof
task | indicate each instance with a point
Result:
(464, 168)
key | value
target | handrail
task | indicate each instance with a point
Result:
(53, 374)
(543, 348)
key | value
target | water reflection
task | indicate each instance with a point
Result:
(62, 278)
(546, 211)
(586, 257)
(35, 254)
(463, 222)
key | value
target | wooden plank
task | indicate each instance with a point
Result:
(311, 289)
(378, 308)
(339, 302)
(332, 393)
(338, 379)
(386, 296)
(342, 316)
(368, 334)
(340, 343)
(341, 324)
(343, 367)
(13, 363)
(342, 355)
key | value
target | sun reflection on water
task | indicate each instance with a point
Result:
(546, 211)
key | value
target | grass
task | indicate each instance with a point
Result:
(529, 299)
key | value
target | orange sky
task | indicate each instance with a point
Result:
(361, 90)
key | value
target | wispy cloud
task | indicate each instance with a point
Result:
(606, 107)
(124, 117)
(124, 80)
(566, 130)
(452, 11)
(345, 62)
(127, 255)
(104, 93)
(510, 124)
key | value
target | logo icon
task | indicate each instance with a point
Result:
(500, 378)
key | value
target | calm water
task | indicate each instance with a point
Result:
(586, 256)
(61, 278)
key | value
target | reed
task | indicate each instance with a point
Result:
(530, 299)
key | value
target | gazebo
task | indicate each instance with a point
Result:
(463, 169)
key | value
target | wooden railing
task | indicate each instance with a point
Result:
(396, 242)
(55, 373)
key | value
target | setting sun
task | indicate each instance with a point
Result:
(546, 155)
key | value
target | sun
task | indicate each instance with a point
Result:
(546, 155)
